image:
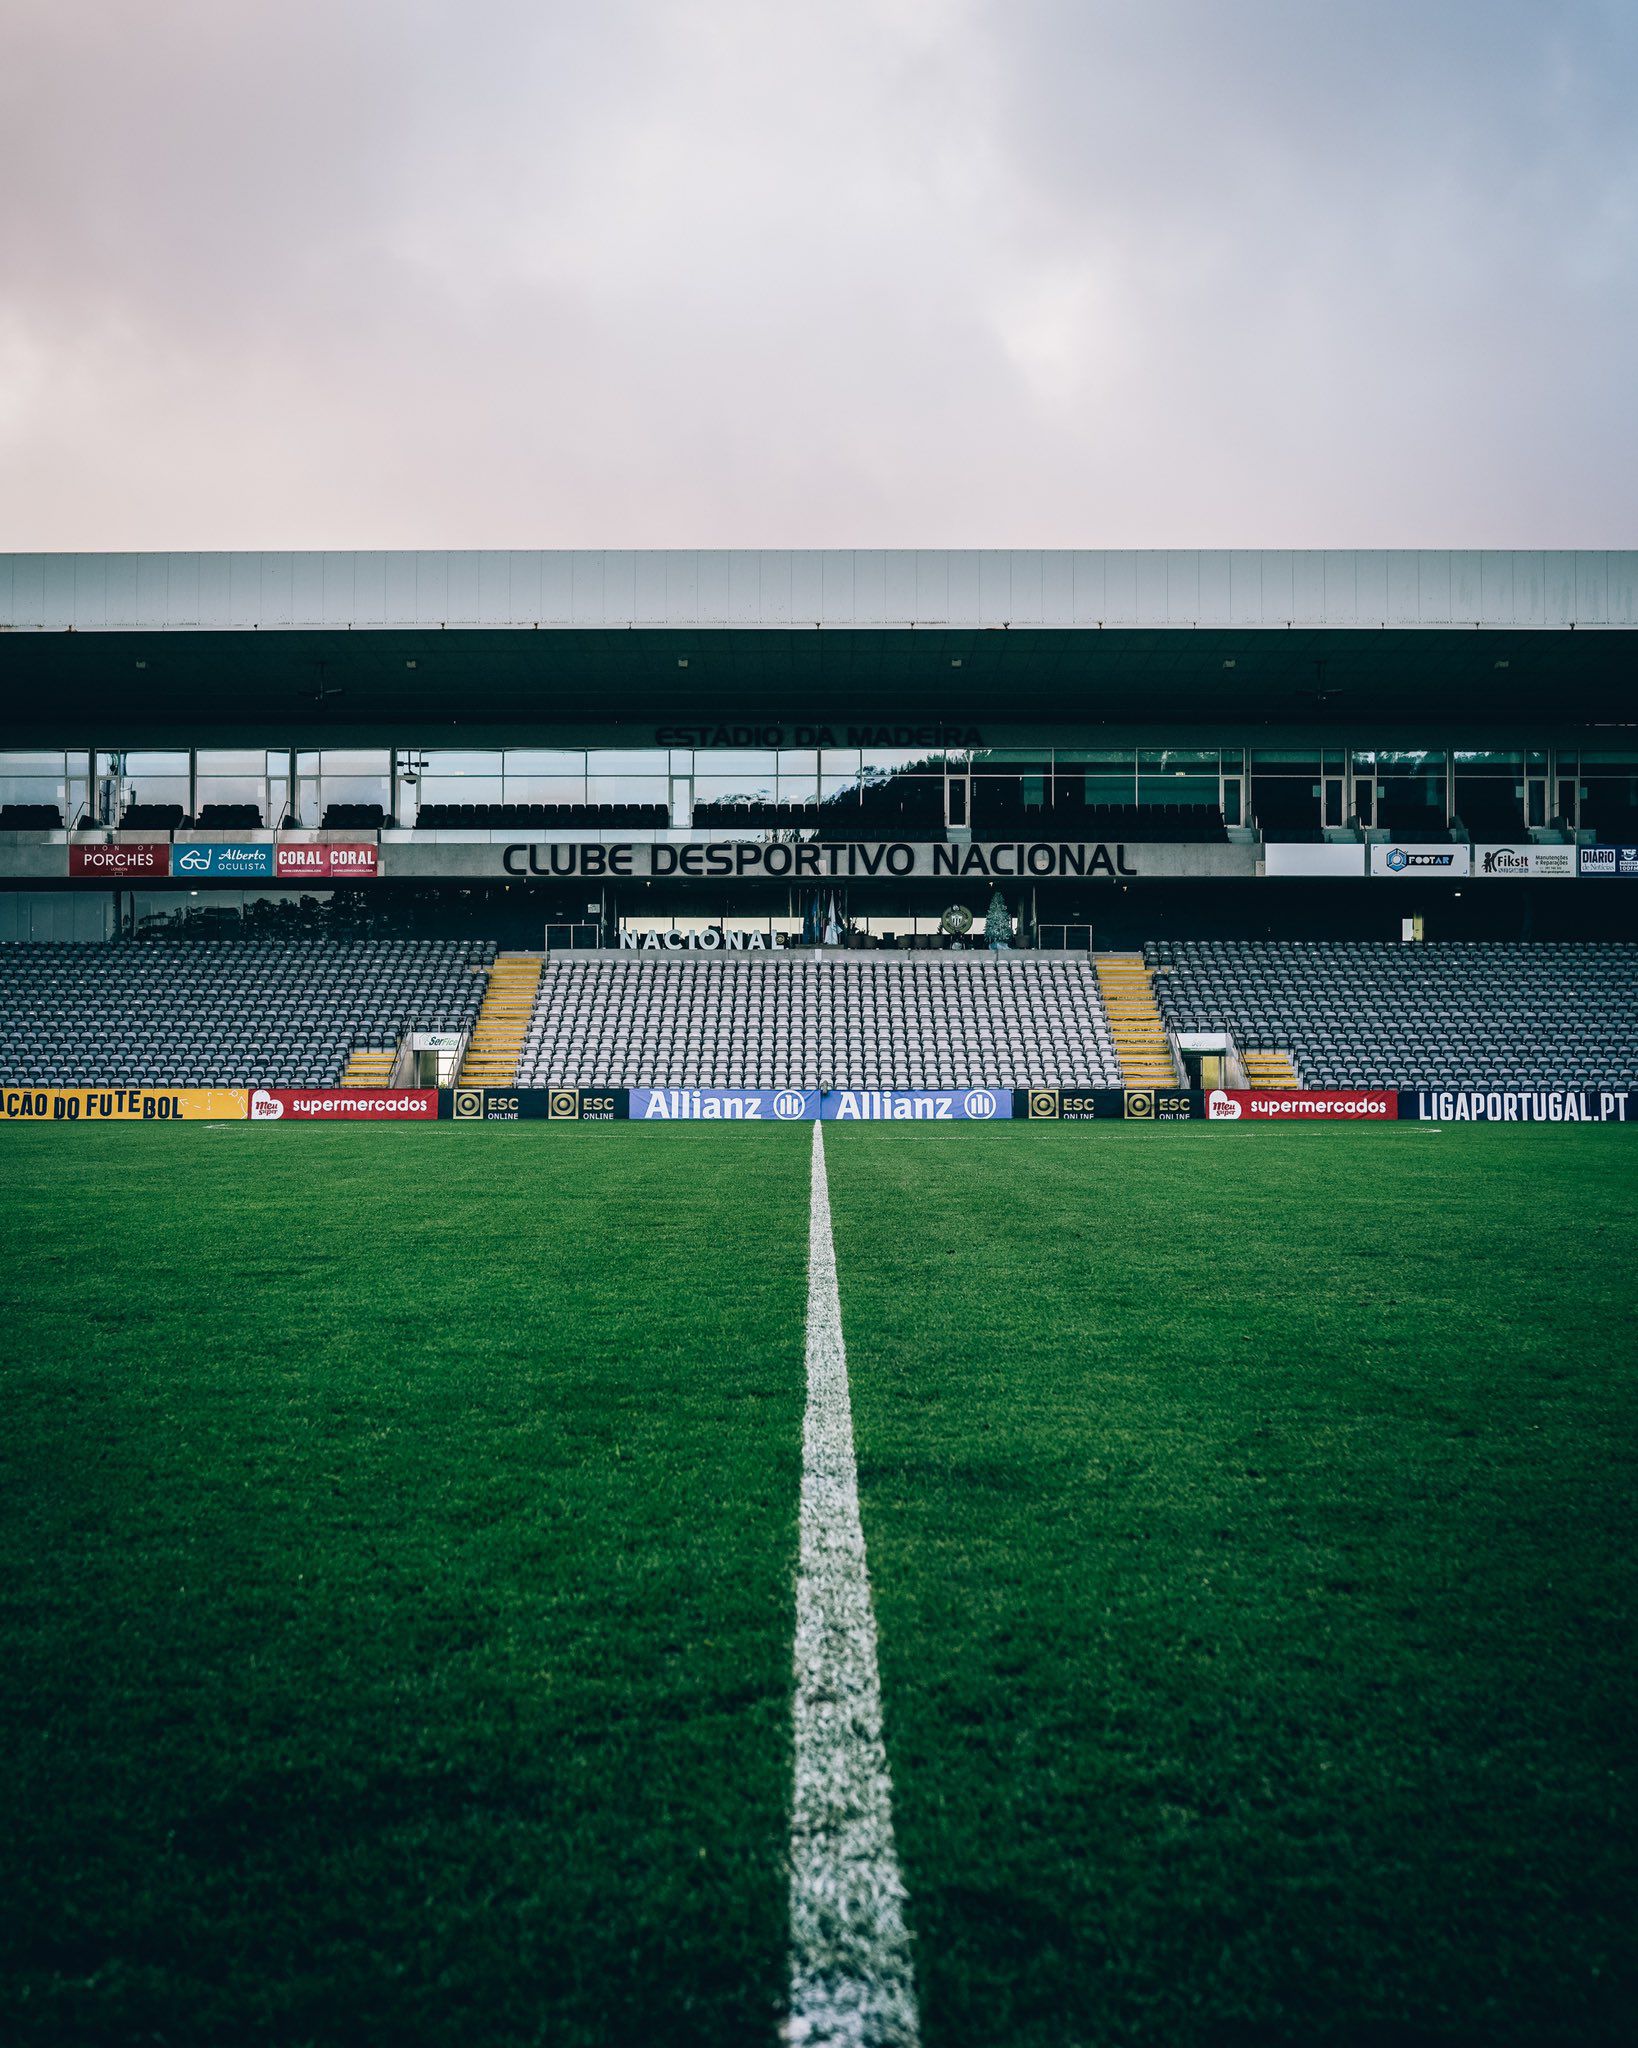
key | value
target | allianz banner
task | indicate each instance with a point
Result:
(122, 1105)
(832, 1105)
(1519, 1105)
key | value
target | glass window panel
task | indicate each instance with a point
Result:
(1170, 760)
(558, 761)
(355, 789)
(836, 789)
(1488, 764)
(355, 761)
(1305, 761)
(26, 761)
(458, 789)
(449, 762)
(230, 789)
(1100, 789)
(1177, 786)
(626, 789)
(172, 762)
(1383, 762)
(839, 761)
(728, 789)
(876, 764)
(647, 760)
(545, 789)
(1605, 763)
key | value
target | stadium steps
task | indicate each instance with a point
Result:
(368, 1067)
(496, 1044)
(1269, 1070)
(1141, 1045)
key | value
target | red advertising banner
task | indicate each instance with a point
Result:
(151, 857)
(324, 863)
(1302, 1105)
(341, 1105)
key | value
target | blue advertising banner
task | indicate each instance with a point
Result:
(916, 1105)
(241, 862)
(723, 1105)
(1609, 860)
(834, 1105)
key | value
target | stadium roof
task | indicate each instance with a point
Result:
(1088, 589)
(339, 648)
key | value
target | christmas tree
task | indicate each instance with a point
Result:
(998, 922)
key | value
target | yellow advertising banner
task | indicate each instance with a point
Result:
(122, 1105)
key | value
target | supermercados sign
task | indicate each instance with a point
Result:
(1009, 860)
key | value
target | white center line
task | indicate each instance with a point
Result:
(852, 1980)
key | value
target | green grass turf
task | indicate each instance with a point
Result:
(396, 1537)
(399, 1528)
(1252, 1527)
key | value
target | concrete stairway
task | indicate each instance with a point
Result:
(368, 1067)
(503, 1018)
(1269, 1070)
(1145, 1055)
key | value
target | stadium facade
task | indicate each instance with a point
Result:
(601, 748)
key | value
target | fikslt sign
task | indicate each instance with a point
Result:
(1301, 1105)
(324, 863)
(341, 1105)
(114, 861)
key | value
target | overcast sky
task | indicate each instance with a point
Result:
(494, 273)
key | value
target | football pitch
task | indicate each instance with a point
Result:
(400, 1537)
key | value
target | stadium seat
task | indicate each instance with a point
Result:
(228, 818)
(1370, 1015)
(811, 1020)
(177, 1013)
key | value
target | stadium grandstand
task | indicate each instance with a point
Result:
(916, 820)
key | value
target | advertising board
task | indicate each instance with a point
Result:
(1608, 863)
(519, 1105)
(1518, 1105)
(342, 1105)
(1531, 862)
(1302, 1105)
(122, 1105)
(1337, 857)
(320, 863)
(916, 1105)
(723, 1105)
(112, 861)
(1069, 1105)
(222, 861)
(1160, 1105)
(1426, 863)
